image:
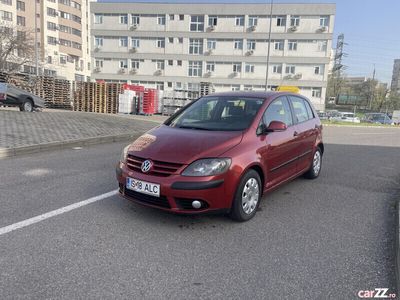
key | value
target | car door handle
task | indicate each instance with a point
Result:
(295, 133)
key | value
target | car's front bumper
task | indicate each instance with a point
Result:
(177, 192)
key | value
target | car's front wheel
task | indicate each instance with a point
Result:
(247, 197)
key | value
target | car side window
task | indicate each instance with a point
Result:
(309, 110)
(299, 109)
(278, 110)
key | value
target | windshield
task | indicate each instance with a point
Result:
(228, 113)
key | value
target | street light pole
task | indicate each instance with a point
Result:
(269, 44)
(36, 46)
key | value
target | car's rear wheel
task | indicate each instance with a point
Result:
(247, 197)
(27, 105)
(316, 164)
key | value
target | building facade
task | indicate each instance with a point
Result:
(178, 47)
(395, 84)
(62, 34)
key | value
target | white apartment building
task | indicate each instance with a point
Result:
(63, 30)
(179, 46)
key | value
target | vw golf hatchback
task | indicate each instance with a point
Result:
(222, 152)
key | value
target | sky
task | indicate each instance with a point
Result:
(371, 31)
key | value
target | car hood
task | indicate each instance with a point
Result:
(183, 146)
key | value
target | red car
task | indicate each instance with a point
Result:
(222, 152)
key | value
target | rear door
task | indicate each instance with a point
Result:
(278, 151)
(306, 131)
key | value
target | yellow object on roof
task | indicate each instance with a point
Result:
(288, 88)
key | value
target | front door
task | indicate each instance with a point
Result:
(279, 153)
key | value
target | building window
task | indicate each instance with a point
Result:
(316, 92)
(171, 40)
(235, 87)
(180, 40)
(135, 64)
(161, 19)
(63, 59)
(179, 62)
(322, 45)
(294, 20)
(197, 23)
(181, 17)
(211, 44)
(20, 5)
(319, 70)
(195, 69)
(135, 42)
(324, 21)
(98, 19)
(123, 41)
(290, 69)
(237, 67)
(281, 21)
(249, 68)
(49, 60)
(51, 26)
(98, 41)
(253, 21)
(51, 40)
(170, 62)
(251, 45)
(292, 45)
(238, 44)
(123, 64)
(135, 19)
(278, 45)
(171, 17)
(123, 19)
(76, 19)
(239, 21)
(212, 21)
(5, 15)
(65, 43)
(7, 2)
(160, 43)
(195, 46)
(98, 63)
(210, 66)
(20, 21)
(160, 64)
(51, 12)
(277, 69)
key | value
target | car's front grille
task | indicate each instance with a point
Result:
(161, 201)
(185, 203)
(160, 168)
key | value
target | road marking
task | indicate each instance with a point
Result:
(54, 213)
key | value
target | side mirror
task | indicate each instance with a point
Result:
(276, 126)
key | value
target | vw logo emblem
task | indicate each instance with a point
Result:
(146, 166)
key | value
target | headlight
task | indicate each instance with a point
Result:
(124, 154)
(207, 167)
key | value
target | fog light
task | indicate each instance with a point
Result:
(196, 204)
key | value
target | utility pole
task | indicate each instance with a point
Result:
(269, 43)
(371, 89)
(36, 42)
(337, 67)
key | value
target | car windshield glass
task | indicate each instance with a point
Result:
(225, 113)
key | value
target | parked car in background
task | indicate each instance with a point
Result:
(222, 152)
(332, 113)
(13, 96)
(322, 115)
(346, 117)
(377, 118)
(396, 117)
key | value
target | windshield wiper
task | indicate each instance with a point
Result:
(193, 127)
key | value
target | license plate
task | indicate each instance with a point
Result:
(143, 187)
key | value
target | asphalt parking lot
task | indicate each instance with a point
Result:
(327, 238)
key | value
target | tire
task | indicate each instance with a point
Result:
(250, 184)
(27, 105)
(316, 165)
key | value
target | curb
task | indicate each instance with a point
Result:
(17, 151)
